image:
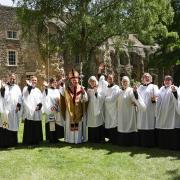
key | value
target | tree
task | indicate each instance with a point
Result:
(83, 25)
(168, 55)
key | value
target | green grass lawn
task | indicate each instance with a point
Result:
(87, 161)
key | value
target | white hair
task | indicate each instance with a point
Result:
(126, 78)
(146, 74)
(93, 78)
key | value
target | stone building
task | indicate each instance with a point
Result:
(17, 54)
(13, 50)
(21, 56)
(131, 59)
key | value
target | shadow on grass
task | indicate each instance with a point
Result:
(150, 152)
(175, 175)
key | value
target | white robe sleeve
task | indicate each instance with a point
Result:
(85, 97)
(3, 99)
(177, 101)
(19, 94)
(178, 107)
(96, 102)
(6, 100)
(102, 83)
(139, 102)
(61, 90)
(25, 92)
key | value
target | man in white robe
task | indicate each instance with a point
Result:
(147, 120)
(168, 118)
(110, 109)
(51, 108)
(75, 115)
(32, 113)
(129, 103)
(95, 117)
(11, 100)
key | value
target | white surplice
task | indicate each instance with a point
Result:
(50, 100)
(110, 106)
(9, 102)
(102, 84)
(30, 102)
(167, 109)
(146, 118)
(127, 112)
(95, 117)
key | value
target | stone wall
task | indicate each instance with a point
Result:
(29, 60)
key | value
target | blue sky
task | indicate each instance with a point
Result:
(6, 2)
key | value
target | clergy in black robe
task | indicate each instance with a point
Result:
(168, 116)
(129, 104)
(10, 100)
(111, 93)
(51, 97)
(32, 114)
(146, 121)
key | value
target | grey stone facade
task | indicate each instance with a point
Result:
(27, 55)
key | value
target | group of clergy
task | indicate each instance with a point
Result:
(142, 115)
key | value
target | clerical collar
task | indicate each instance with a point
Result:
(110, 85)
(33, 87)
(123, 88)
(146, 84)
(9, 84)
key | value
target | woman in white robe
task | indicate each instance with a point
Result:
(129, 103)
(168, 118)
(95, 117)
(11, 100)
(110, 109)
(51, 98)
(32, 113)
(147, 119)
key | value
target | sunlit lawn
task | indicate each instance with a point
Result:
(87, 161)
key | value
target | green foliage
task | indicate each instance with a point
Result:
(169, 53)
(150, 19)
(84, 25)
(175, 26)
(88, 23)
